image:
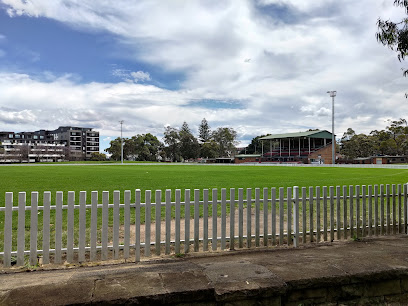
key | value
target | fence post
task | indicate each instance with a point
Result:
(58, 226)
(105, 224)
(364, 210)
(116, 202)
(33, 228)
(240, 217)
(325, 213)
(281, 214)
(388, 209)
(126, 220)
(187, 220)
(338, 220)
(232, 218)
(82, 226)
(311, 212)
(214, 219)
(137, 224)
(382, 229)
(249, 217)
(168, 220)
(351, 202)
(46, 227)
(148, 221)
(177, 221)
(273, 208)
(177, 197)
(405, 208)
(376, 210)
(21, 228)
(8, 229)
(296, 216)
(223, 218)
(257, 216)
(345, 222)
(265, 216)
(304, 222)
(94, 223)
(318, 229)
(289, 199)
(205, 219)
(196, 219)
(358, 211)
(70, 226)
(370, 210)
(331, 190)
(157, 221)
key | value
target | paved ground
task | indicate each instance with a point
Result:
(212, 277)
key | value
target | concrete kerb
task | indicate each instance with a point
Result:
(372, 269)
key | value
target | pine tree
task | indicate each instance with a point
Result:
(204, 132)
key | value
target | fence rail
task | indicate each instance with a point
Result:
(73, 231)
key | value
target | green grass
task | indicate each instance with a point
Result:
(169, 176)
(152, 177)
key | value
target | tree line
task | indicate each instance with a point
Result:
(392, 141)
(177, 145)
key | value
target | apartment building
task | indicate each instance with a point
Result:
(64, 143)
(82, 141)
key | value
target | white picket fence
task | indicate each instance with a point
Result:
(78, 232)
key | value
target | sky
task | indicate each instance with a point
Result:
(257, 66)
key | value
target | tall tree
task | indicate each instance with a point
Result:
(189, 146)
(226, 140)
(115, 149)
(204, 131)
(255, 147)
(172, 140)
(394, 35)
(143, 147)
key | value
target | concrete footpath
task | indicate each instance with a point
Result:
(369, 272)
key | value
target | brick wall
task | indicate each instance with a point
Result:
(325, 153)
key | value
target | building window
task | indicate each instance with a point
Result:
(35, 136)
(10, 135)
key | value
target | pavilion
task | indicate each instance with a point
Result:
(305, 147)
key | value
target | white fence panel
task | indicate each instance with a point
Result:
(289, 216)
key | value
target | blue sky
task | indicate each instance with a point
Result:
(261, 66)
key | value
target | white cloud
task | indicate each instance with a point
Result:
(317, 46)
(131, 76)
(140, 76)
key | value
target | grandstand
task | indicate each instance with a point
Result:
(303, 147)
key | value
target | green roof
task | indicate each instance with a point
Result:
(309, 134)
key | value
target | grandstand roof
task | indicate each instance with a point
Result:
(308, 134)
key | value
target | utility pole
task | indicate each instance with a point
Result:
(121, 140)
(332, 95)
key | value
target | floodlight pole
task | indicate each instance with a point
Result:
(121, 140)
(332, 95)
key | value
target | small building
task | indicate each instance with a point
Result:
(381, 160)
(247, 158)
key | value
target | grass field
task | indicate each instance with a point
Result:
(164, 176)
(152, 177)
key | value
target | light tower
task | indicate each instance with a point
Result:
(332, 95)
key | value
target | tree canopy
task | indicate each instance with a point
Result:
(144, 147)
(393, 140)
(394, 34)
